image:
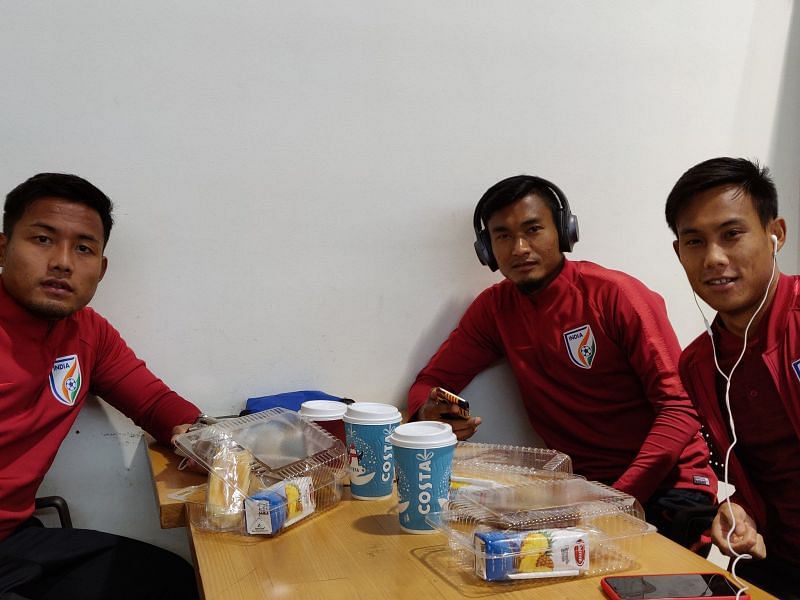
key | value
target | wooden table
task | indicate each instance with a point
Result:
(356, 550)
(167, 479)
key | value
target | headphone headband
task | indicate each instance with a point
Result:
(566, 223)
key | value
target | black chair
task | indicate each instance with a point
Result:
(60, 505)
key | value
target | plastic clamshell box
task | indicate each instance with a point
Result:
(483, 465)
(272, 447)
(519, 532)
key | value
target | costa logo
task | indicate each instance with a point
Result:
(386, 475)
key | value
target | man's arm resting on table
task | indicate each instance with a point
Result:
(645, 331)
(469, 349)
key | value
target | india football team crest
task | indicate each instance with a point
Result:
(65, 379)
(581, 346)
(796, 367)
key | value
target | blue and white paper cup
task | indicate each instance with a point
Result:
(423, 455)
(370, 459)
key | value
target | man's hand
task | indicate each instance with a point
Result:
(745, 538)
(177, 430)
(433, 410)
(190, 463)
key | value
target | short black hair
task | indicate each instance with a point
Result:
(57, 185)
(745, 174)
(510, 190)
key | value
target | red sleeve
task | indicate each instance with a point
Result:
(699, 382)
(644, 330)
(472, 347)
(123, 380)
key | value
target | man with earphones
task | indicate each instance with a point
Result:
(744, 373)
(592, 350)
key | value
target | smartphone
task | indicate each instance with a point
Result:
(443, 396)
(671, 587)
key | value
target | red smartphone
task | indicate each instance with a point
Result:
(442, 395)
(683, 586)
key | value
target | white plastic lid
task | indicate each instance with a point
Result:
(371, 413)
(323, 410)
(423, 434)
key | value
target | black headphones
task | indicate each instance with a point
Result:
(566, 222)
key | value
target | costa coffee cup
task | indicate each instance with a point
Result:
(370, 459)
(327, 414)
(423, 453)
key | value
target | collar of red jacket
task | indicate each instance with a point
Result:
(560, 285)
(785, 300)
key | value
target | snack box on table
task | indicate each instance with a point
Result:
(267, 471)
(494, 465)
(557, 528)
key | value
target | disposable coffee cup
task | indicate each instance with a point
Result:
(370, 460)
(327, 414)
(423, 454)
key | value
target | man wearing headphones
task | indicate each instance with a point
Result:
(592, 350)
(724, 213)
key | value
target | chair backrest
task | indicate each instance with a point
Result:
(60, 505)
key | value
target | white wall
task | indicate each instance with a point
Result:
(294, 182)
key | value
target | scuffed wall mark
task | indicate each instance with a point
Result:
(125, 438)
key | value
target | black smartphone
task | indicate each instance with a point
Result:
(671, 587)
(442, 395)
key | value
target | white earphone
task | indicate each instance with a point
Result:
(728, 377)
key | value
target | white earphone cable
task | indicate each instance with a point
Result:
(728, 378)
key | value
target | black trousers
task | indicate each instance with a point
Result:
(44, 563)
(663, 508)
(773, 575)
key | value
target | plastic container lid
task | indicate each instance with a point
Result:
(423, 434)
(611, 524)
(371, 413)
(516, 459)
(323, 410)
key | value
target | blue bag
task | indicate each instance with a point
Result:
(290, 400)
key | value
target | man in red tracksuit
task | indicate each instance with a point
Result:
(54, 352)
(724, 213)
(592, 351)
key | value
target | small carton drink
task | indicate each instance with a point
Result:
(370, 459)
(423, 456)
(534, 554)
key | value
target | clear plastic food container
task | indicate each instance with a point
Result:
(495, 465)
(267, 471)
(543, 530)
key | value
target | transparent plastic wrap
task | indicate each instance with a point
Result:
(496, 465)
(545, 529)
(267, 471)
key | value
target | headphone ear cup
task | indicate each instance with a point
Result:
(480, 251)
(567, 231)
(563, 233)
(571, 233)
(483, 248)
